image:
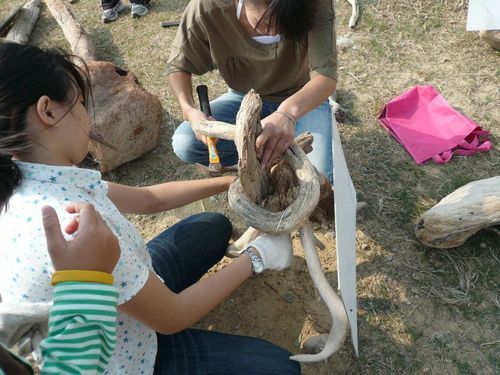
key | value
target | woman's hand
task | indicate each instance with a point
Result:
(278, 129)
(278, 133)
(195, 115)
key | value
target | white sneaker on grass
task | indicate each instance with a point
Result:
(110, 15)
(139, 10)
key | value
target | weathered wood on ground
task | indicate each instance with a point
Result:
(75, 34)
(461, 214)
(292, 217)
(355, 13)
(254, 179)
(338, 332)
(7, 23)
(25, 22)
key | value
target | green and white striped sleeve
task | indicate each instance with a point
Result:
(82, 329)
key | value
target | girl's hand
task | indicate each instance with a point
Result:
(94, 248)
(229, 180)
(275, 252)
(195, 115)
(278, 133)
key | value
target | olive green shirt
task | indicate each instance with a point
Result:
(210, 37)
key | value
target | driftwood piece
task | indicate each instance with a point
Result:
(7, 23)
(305, 141)
(253, 178)
(355, 13)
(217, 129)
(461, 214)
(75, 34)
(306, 186)
(247, 192)
(338, 331)
(284, 182)
(25, 22)
(324, 211)
(227, 131)
(294, 215)
(288, 184)
(126, 115)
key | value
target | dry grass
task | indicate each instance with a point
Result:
(421, 311)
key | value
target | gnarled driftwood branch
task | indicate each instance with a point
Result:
(461, 214)
(293, 190)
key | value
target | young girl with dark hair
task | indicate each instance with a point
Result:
(44, 133)
(283, 49)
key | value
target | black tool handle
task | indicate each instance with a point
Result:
(202, 91)
(169, 23)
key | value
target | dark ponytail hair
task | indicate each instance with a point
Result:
(292, 18)
(26, 74)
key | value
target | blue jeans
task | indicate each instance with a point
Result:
(181, 255)
(224, 108)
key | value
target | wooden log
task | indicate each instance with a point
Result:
(295, 214)
(461, 214)
(5, 25)
(303, 182)
(247, 192)
(253, 178)
(80, 43)
(282, 175)
(23, 25)
(338, 331)
(217, 129)
(355, 13)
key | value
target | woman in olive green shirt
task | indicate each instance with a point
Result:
(283, 49)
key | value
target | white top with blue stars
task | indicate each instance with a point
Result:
(25, 267)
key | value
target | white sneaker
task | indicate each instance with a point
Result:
(139, 10)
(110, 15)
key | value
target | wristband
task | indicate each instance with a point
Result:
(257, 263)
(287, 116)
(82, 275)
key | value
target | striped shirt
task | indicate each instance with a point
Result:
(82, 329)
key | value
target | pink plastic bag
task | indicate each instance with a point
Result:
(428, 127)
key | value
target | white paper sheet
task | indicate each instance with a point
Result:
(345, 230)
(483, 15)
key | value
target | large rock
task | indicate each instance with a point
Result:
(126, 115)
(461, 214)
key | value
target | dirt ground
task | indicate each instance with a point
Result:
(421, 310)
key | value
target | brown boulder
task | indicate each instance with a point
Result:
(126, 115)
